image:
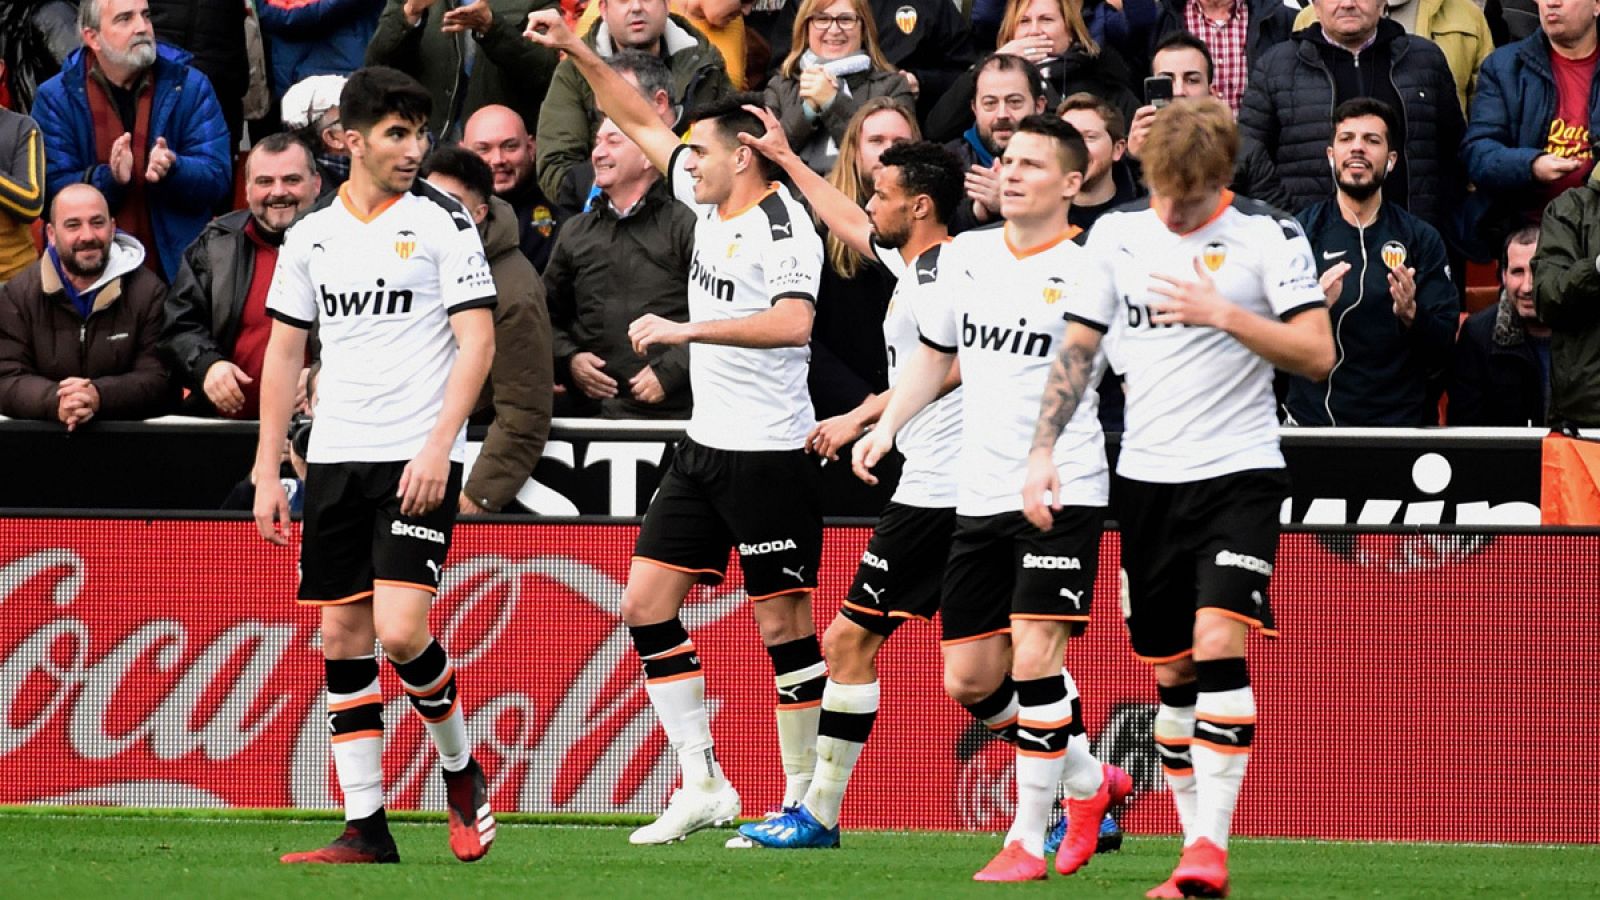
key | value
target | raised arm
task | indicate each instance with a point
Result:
(612, 93)
(847, 221)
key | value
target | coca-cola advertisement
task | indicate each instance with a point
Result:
(1425, 687)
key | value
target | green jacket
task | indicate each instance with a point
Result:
(569, 118)
(1566, 283)
(507, 69)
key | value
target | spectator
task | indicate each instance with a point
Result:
(518, 394)
(1387, 283)
(627, 257)
(721, 21)
(1108, 183)
(130, 117)
(647, 73)
(1125, 27)
(569, 118)
(213, 36)
(307, 38)
(924, 39)
(848, 359)
(1237, 35)
(1354, 52)
(1501, 374)
(1008, 91)
(1457, 26)
(311, 110)
(30, 38)
(834, 67)
(499, 137)
(1184, 59)
(467, 56)
(1566, 284)
(215, 326)
(78, 330)
(21, 191)
(1532, 119)
(1052, 35)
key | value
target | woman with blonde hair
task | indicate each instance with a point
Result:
(833, 67)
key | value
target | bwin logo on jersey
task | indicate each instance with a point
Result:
(420, 532)
(874, 561)
(354, 303)
(1006, 340)
(709, 281)
(1063, 563)
(766, 547)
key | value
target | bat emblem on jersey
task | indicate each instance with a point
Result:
(799, 574)
(405, 244)
(1214, 255)
(1053, 289)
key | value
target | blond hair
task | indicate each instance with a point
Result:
(1191, 148)
(799, 41)
(1071, 13)
(848, 177)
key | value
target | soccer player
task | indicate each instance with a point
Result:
(915, 193)
(1203, 293)
(392, 273)
(741, 478)
(1012, 596)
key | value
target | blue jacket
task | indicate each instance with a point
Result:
(1510, 121)
(321, 37)
(183, 110)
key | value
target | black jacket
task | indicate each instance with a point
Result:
(1270, 23)
(1381, 368)
(848, 360)
(1106, 76)
(201, 315)
(1290, 99)
(1255, 176)
(1496, 377)
(604, 273)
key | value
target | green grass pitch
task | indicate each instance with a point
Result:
(155, 855)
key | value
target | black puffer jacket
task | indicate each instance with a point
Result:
(1290, 99)
(213, 33)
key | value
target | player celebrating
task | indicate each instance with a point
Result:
(915, 192)
(1204, 293)
(741, 477)
(1011, 595)
(392, 272)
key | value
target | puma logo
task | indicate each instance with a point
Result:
(799, 574)
(445, 700)
(1074, 596)
(783, 228)
(928, 274)
(877, 595)
(1229, 732)
(791, 694)
(434, 568)
(1024, 734)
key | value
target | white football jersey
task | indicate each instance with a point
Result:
(381, 291)
(746, 398)
(1003, 311)
(931, 439)
(1200, 404)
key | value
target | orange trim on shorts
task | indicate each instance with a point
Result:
(353, 598)
(409, 585)
(1041, 754)
(1157, 660)
(1229, 749)
(1043, 726)
(358, 735)
(804, 590)
(1238, 617)
(681, 676)
(720, 573)
(1046, 617)
(977, 637)
(862, 609)
(449, 672)
(809, 704)
(1227, 720)
(362, 700)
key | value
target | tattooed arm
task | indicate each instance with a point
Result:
(1069, 380)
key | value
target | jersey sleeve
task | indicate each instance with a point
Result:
(292, 299)
(933, 304)
(1093, 300)
(792, 265)
(464, 278)
(1289, 271)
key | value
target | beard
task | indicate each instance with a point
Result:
(891, 240)
(73, 263)
(1361, 191)
(140, 55)
(1004, 123)
(276, 213)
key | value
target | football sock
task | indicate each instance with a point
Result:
(1174, 730)
(1224, 727)
(998, 711)
(1081, 773)
(848, 711)
(355, 718)
(799, 673)
(430, 682)
(677, 689)
(1042, 738)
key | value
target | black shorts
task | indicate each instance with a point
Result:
(901, 571)
(764, 503)
(1002, 568)
(355, 537)
(1200, 545)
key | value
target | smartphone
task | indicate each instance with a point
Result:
(1158, 90)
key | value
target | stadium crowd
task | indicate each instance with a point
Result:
(153, 153)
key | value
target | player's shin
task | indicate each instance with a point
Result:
(1225, 716)
(848, 712)
(430, 682)
(799, 674)
(355, 719)
(1081, 773)
(1042, 738)
(676, 686)
(1174, 732)
(998, 711)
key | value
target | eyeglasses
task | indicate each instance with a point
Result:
(846, 22)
